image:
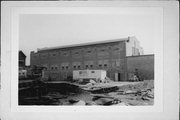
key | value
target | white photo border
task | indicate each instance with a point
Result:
(10, 47)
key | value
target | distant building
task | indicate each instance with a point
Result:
(22, 65)
(22, 59)
(107, 55)
(22, 74)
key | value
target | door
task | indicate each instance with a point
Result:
(119, 76)
(116, 76)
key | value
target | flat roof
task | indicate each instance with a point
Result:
(90, 70)
(83, 44)
(140, 55)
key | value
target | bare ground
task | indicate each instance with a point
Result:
(112, 93)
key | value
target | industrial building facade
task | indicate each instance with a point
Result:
(108, 55)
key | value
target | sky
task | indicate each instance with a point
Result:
(51, 30)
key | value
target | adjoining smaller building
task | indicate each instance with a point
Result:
(97, 75)
(142, 66)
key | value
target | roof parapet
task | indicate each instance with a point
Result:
(84, 44)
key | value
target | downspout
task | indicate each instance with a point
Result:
(125, 61)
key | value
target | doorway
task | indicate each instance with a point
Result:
(117, 76)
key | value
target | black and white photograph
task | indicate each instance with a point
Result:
(88, 59)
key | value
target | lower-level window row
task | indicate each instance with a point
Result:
(66, 66)
(79, 67)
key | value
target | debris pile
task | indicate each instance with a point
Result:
(92, 93)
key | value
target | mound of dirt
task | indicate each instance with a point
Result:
(147, 84)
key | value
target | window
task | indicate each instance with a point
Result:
(56, 68)
(89, 51)
(65, 53)
(79, 67)
(74, 67)
(105, 65)
(86, 66)
(66, 67)
(52, 68)
(92, 71)
(63, 67)
(100, 65)
(117, 49)
(76, 53)
(91, 66)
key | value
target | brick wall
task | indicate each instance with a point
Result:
(61, 62)
(144, 64)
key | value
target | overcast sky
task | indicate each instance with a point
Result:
(50, 30)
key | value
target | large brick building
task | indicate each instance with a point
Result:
(108, 55)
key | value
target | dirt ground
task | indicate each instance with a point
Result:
(113, 93)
